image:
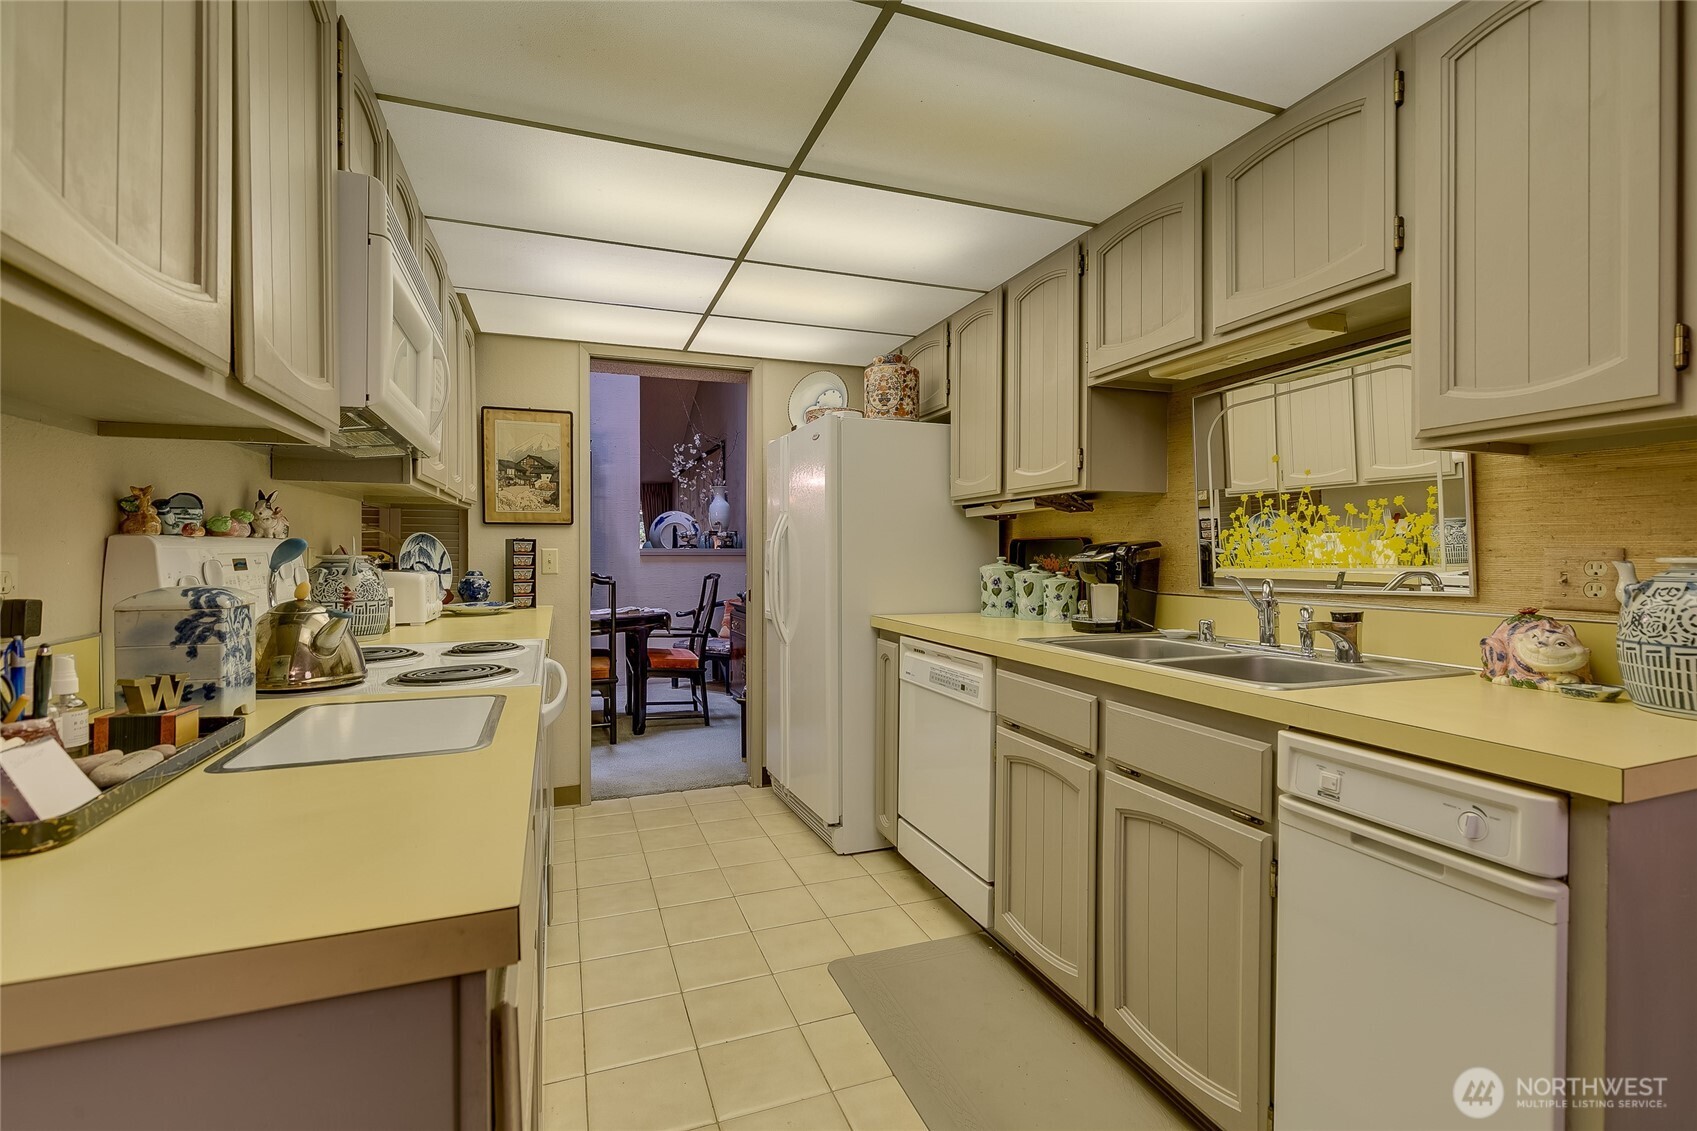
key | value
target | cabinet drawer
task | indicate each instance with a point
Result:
(1058, 712)
(1215, 763)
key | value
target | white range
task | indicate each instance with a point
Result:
(470, 665)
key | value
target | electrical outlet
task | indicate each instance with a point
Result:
(550, 560)
(8, 574)
(1581, 578)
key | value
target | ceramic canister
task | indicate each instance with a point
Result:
(351, 583)
(1028, 592)
(1060, 599)
(1656, 639)
(473, 587)
(892, 388)
(995, 589)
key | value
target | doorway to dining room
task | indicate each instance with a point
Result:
(668, 451)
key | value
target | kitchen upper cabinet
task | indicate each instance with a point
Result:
(1143, 279)
(885, 738)
(1045, 844)
(403, 198)
(115, 150)
(285, 69)
(465, 384)
(1252, 447)
(975, 378)
(1316, 431)
(1304, 207)
(1384, 424)
(1044, 389)
(444, 470)
(929, 353)
(1547, 233)
(362, 133)
(435, 266)
(1186, 947)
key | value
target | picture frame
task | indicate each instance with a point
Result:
(527, 466)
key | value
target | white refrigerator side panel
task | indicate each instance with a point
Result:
(810, 550)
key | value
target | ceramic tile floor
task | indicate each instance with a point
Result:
(686, 985)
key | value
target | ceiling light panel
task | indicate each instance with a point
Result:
(496, 259)
(793, 343)
(734, 78)
(1271, 50)
(815, 297)
(531, 317)
(964, 116)
(468, 168)
(862, 231)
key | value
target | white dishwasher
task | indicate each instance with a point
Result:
(945, 799)
(1422, 965)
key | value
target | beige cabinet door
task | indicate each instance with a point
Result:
(975, 381)
(1143, 279)
(404, 198)
(1044, 377)
(472, 458)
(929, 353)
(1251, 440)
(115, 146)
(1316, 427)
(444, 470)
(1304, 207)
(1045, 844)
(1384, 424)
(885, 767)
(362, 134)
(1544, 212)
(285, 213)
(1186, 946)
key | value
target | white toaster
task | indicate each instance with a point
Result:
(418, 596)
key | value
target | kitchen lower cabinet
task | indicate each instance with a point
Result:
(929, 353)
(1143, 279)
(1186, 947)
(1044, 379)
(1045, 845)
(1547, 220)
(886, 737)
(975, 382)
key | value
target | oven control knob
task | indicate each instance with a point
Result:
(1472, 824)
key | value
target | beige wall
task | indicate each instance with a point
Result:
(547, 374)
(58, 502)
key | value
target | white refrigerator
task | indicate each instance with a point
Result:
(858, 522)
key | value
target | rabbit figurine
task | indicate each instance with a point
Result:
(140, 516)
(268, 518)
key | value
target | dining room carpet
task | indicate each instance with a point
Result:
(978, 1045)
(670, 756)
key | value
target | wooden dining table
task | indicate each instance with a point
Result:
(635, 625)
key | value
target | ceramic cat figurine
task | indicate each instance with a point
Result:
(268, 518)
(1528, 650)
(140, 515)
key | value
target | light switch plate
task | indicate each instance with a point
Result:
(1581, 578)
(8, 574)
(550, 560)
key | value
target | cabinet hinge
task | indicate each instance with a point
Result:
(948, 388)
(1081, 459)
(341, 128)
(1082, 260)
(1273, 880)
(1399, 88)
(341, 56)
(1399, 235)
(1681, 345)
(1269, 1117)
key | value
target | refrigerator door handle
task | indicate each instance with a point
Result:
(780, 579)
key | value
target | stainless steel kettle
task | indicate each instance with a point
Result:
(303, 646)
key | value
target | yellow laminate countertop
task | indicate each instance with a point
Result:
(1611, 751)
(228, 893)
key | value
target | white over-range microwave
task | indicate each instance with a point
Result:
(394, 367)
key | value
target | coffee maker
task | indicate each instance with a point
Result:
(1117, 582)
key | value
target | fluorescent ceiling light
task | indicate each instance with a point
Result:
(792, 343)
(787, 294)
(565, 319)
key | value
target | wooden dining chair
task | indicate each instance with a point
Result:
(681, 656)
(603, 668)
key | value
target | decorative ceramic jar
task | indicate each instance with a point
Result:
(1028, 592)
(719, 510)
(892, 388)
(473, 587)
(1657, 636)
(995, 589)
(351, 583)
(1060, 599)
(203, 632)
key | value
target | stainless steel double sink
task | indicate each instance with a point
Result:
(1246, 663)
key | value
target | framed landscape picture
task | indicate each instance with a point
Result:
(527, 466)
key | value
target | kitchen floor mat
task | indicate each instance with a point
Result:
(978, 1045)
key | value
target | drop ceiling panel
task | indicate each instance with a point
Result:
(795, 343)
(468, 168)
(815, 297)
(1271, 50)
(862, 231)
(965, 116)
(530, 317)
(735, 78)
(495, 259)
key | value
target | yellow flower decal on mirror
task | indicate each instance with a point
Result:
(1296, 532)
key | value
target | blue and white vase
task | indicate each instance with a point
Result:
(1028, 592)
(996, 589)
(1656, 639)
(474, 587)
